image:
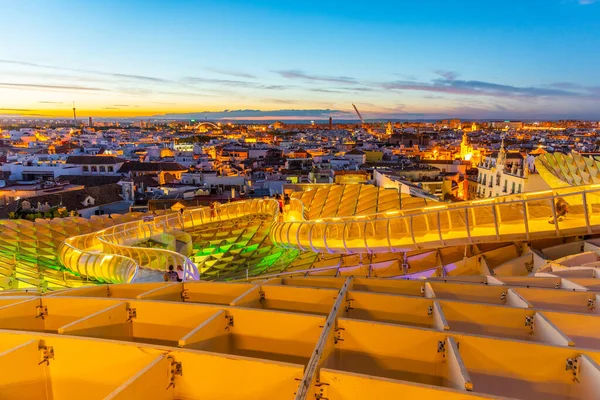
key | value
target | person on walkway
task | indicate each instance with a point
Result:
(170, 275)
(179, 273)
(562, 209)
(212, 210)
(280, 201)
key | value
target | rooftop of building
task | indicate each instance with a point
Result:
(138, 166)
(94, 160)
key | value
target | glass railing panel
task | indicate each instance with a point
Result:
(290, 234)
(425, 227)
(354, 236)
(303, 240)
(317, 235)
(593, 206)
(453, 224)
(377, 235)
(574, 220)
(511, 218)
(334, 234)
(399, 232)
(540, 217)
(482, 223)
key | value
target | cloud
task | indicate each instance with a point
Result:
(128, 76)
(194, 80)
(87, 71)
(52, 102)
(450, 85)
(255, 114)
(448, 75)
(319, 90)
(136, 91)
(279, 101)
(586, 2)
(48, 87)
(298, 74)
(229, 72)
(16, 109)
(564, 85)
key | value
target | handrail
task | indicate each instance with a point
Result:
(103, 254)
(513, 199)
(498, 219)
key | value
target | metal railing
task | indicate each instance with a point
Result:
(111, 254)
(524, 216)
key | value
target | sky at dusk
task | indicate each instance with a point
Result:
(425, 59)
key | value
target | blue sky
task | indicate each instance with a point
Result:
(394, 59)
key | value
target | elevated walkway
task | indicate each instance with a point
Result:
(114, 255)
(527, 216)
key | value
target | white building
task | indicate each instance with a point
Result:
(508, 173)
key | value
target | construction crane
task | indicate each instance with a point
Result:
(359, 116)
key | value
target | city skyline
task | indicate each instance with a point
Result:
(309, 60)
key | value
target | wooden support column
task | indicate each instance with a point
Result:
(458, 376)
(307, 389)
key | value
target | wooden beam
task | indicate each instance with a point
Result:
(23, 376)
(514, 299)
(429, 293)
(112, 315)
(570, 285)
(547, 332)
(589, 378)
(151, 382)
(168, 292)
(248, 298)
(211, 328)
(458, 376)
(326, 339)
(439, 320)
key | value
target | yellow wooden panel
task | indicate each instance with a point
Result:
(169, 292)
(583, 329)
(351, 386)
(399, 309)
(62, 311)
(300, 299)
(23, 377)
(214, 377)
(200, 337)
(151, 382)
(468, 292)
(489, 320)
(399, 286)
(213, 292)
(107, 323)
(22, 316)
(558, 300)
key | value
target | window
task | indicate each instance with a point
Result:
(94, 168)
(513, 187)
(102, 169)
(85, 168)
(519, 188)
(111, 168)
